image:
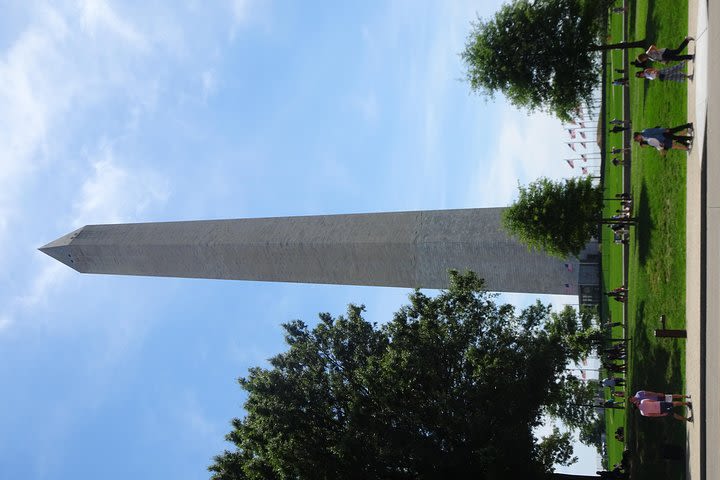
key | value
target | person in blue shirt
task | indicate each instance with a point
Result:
(665, 139)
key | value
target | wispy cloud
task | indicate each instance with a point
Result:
(246, 12)
(208, 80)
(51, 79)
(196, 422)
(527, 147)
(5, 322)
(30, 103)
(241, 10)
(113, 194)
(99, 16)
(109, 194)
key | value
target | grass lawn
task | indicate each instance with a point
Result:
(657, 247)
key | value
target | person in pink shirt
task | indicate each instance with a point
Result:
(641, 395)
(655, 408)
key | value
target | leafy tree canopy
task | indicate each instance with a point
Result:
(451, 387)
(538, 53)
(558, 217)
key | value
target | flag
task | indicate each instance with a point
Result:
(569, 267)
(572, 122)
(581, 124)
(584, 170)
(571, 163)
(571, 146)
(571, 132)
(582, 134)
(583, 144)
(584, 158)
(583, 374)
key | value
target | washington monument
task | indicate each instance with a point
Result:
(401, 249)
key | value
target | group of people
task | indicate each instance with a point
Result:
(656, 404)
(675, 73)
(619, 293)
(660, 138)
(664, 55)
(649, 404)
(621, 221)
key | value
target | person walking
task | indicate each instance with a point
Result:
(664, 139)
(665, 55)
(669, 74)
(613, 382)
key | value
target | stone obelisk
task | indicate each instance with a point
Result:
(400, 249)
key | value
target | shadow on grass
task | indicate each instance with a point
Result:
(651, 370)
(649, 25)
(649, 39)
(644, 224)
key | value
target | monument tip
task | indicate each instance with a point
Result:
(59, 249)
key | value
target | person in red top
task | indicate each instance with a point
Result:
(655, 408)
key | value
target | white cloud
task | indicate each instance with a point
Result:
(51, 76)
(527, 147)
(109, 194)
(240, 10)
(196, 422)
(29, 103)
(113, 194)
(48, 277)
(98, 16)
(245, 12)
(5, 322)
(209, 84)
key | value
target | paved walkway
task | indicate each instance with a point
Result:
(703, 246)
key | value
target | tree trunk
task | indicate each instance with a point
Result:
(567, 476)
(618, 46)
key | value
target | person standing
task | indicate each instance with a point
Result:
(654, 408)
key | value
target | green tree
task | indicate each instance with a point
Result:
(575, 403)
(451, 387)
(558, 217)
(577, 328)
(539, 53)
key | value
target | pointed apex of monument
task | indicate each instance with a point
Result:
(60, 249)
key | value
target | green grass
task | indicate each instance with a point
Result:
(657, 254)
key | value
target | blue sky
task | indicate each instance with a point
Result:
(145, 110)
